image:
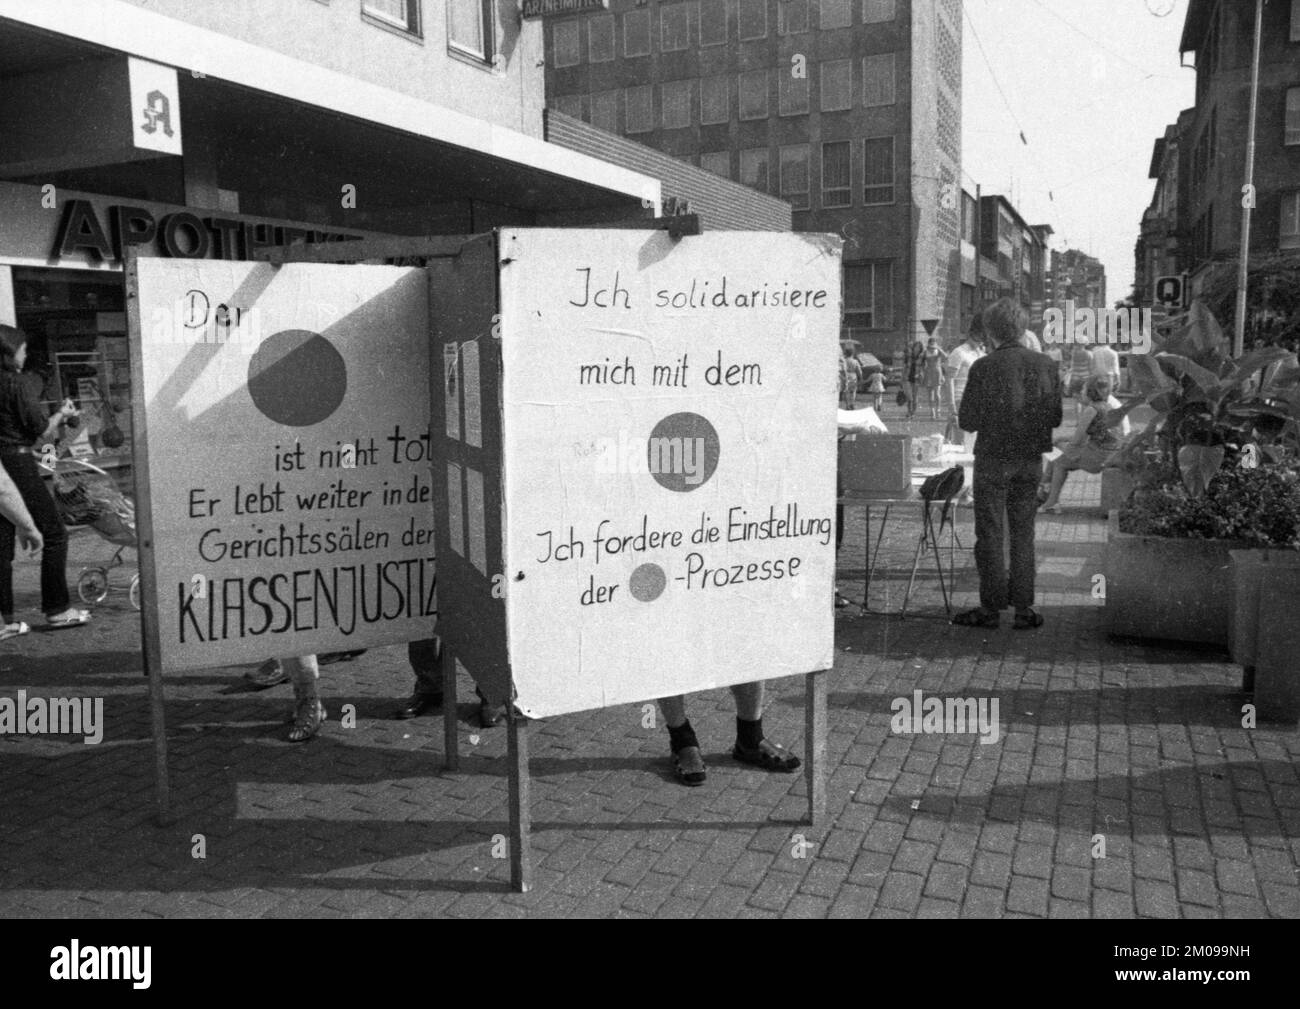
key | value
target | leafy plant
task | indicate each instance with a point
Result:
(1259, 507)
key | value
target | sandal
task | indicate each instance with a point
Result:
(976, 618)
(1027, 620)
(71, 618)
(689, 763)
(307, 720)
(13, 630)
(767, 755)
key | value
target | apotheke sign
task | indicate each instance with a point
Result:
(550, 8)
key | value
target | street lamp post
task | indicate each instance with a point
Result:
(1248, 191)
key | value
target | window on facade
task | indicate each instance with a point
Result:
(674, 27)
(836, 14)
(837, 189)
(405, 14)
(1295, 20)
(719, 163)
(636, 33)
(878, 171)
(715, 100)
(600, 38)
(604, 110)
(564, 37)
(794, 175)
(792, 17)
(713, 22)
(878, 79)
(753, 94)
(1289, 227)
(676, 98)
(469, 28)
(640, 109)
(792, 97)
(569, 105)
(876, 11)
(752, 15)
(1293, 116)
(837, 85)
(753, 168)
(868, 295)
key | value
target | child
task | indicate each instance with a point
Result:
(877, 390)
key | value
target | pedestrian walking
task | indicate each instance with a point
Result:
(932, 375)
(876, 387)
(1080, 372)
(913, 375)
(1012, 401)
(957, 370)
(852, 378)
(23, 424)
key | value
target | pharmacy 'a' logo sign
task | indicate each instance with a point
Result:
(1169, 291)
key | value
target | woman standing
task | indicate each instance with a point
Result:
(932, 374)
(915, 367)
(22, 424)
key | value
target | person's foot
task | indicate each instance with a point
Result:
(70, 617)
(689, 764)
(325, 658)
(489, 715)
(1027, 619)
(841, 601)
(307, 719)
(269, 674)
(768, 755)
(417, 704)
(978, 617)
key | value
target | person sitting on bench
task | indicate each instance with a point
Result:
(1094, 441)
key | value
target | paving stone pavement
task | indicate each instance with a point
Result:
(1121, 743)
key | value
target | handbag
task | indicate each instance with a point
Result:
(901, 398)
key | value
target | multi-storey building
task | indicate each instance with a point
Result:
(848, 109)
(1012, 256)
(1079, 278)
(1160, 249)
(1220, 35)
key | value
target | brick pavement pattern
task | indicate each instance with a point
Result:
(1126, 744)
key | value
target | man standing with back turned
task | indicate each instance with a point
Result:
(1012, 401)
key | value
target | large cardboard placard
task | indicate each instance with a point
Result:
(288, 457)
(669, 456)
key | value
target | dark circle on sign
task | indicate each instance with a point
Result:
(297, 378)
(647, 582)
(682, 452)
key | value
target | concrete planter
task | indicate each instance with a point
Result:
(1264, 636)
(1168, 589)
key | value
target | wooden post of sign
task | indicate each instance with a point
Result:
(815, 736)
(450, 716)
(151, 643)
(521, 859)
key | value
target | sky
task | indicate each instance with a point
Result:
(1091, 84)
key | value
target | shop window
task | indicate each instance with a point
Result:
(719, 163)
(565, 44)
(794, 175)
(876, 11)
(836, 14)
(713, 22)
(878, 171)
(1292, 116)
(878, 75)
(792, 17)
(715, 100)
(753, 168)
(676, 99)
(868, 295)
(752, 15)
(636, 33)
(640, 109)
(837, 85)
(792, 98)
(604, 110)
(837, 189)
(753, 94)
(401, 14)
(1289, 227)
(600, 38)
(674, 27)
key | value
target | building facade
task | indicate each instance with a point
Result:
(1161, 245)
(1079, 278)
(1012, 257)
(849, 110)
(1220, 36)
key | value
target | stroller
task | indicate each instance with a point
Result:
(87, 496)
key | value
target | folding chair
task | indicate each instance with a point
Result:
(940, 488)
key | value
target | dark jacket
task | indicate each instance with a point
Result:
(1013, 399)
(22, 418)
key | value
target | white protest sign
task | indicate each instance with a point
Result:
(669, 454)
(288, 457)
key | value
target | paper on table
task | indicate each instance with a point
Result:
(864, 421)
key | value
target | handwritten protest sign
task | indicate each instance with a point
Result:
(669, 455)
(288, 457)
